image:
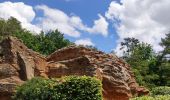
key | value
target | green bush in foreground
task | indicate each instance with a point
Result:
(66, 88)
(161, 90)
(157, 93)
(158, 97)
(34, 89)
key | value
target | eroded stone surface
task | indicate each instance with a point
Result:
(117, 78)
(18, 64)
(7, 70)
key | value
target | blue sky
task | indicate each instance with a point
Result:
(88, 11)
(101, 23)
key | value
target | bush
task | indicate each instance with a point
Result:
(35, 89)
(157, 93)
(161, 90)
(158, 97)
(66, 88)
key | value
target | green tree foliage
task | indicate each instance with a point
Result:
(8, 27)
(28, 39)
(166, 44)
(157, 93)
(161, 90)
(66, 88)
(44, 43)
(150, 69)
(142, 60)
(163, 62)
(158, 97)
(51, 41)
(128, 44)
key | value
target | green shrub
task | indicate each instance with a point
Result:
(80, 88)
(161, 90)
(66, 88)
(35, 89)
(158, 97)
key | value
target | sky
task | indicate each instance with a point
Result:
(100, 23)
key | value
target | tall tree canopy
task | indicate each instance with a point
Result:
(142, 59)
(128, 46)
(44, 43)
(163, 62)
(10, 26)
(51, 41)
(150, 69)
(166, 44)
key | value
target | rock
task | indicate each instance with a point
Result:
(116, 75)
(18, 64)
(27, 66)
(6, 89)
(7, 70)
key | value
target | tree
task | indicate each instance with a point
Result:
(9, 27)
(29, 39)
(44, 43)
(163, 62)
(128, 44)
(166, 44)
(142, 59)
(13, 25)
(51, 41)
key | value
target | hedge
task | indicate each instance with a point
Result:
(158, 97)
(157, 93)
(65, 88)
(34, 89)
(161, 90)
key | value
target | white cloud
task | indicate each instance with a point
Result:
(146, 20)
(100, 26)
(56, 19)
(67, 24)
(52, 19)
(24, 13)
(84, 42)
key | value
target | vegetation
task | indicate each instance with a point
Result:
(161, 90)
(150, 69)
(163, 62)
(158, 97)
(142, 58)
(157, 93)
(66, 88)
(44, 43)
(35, 89)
